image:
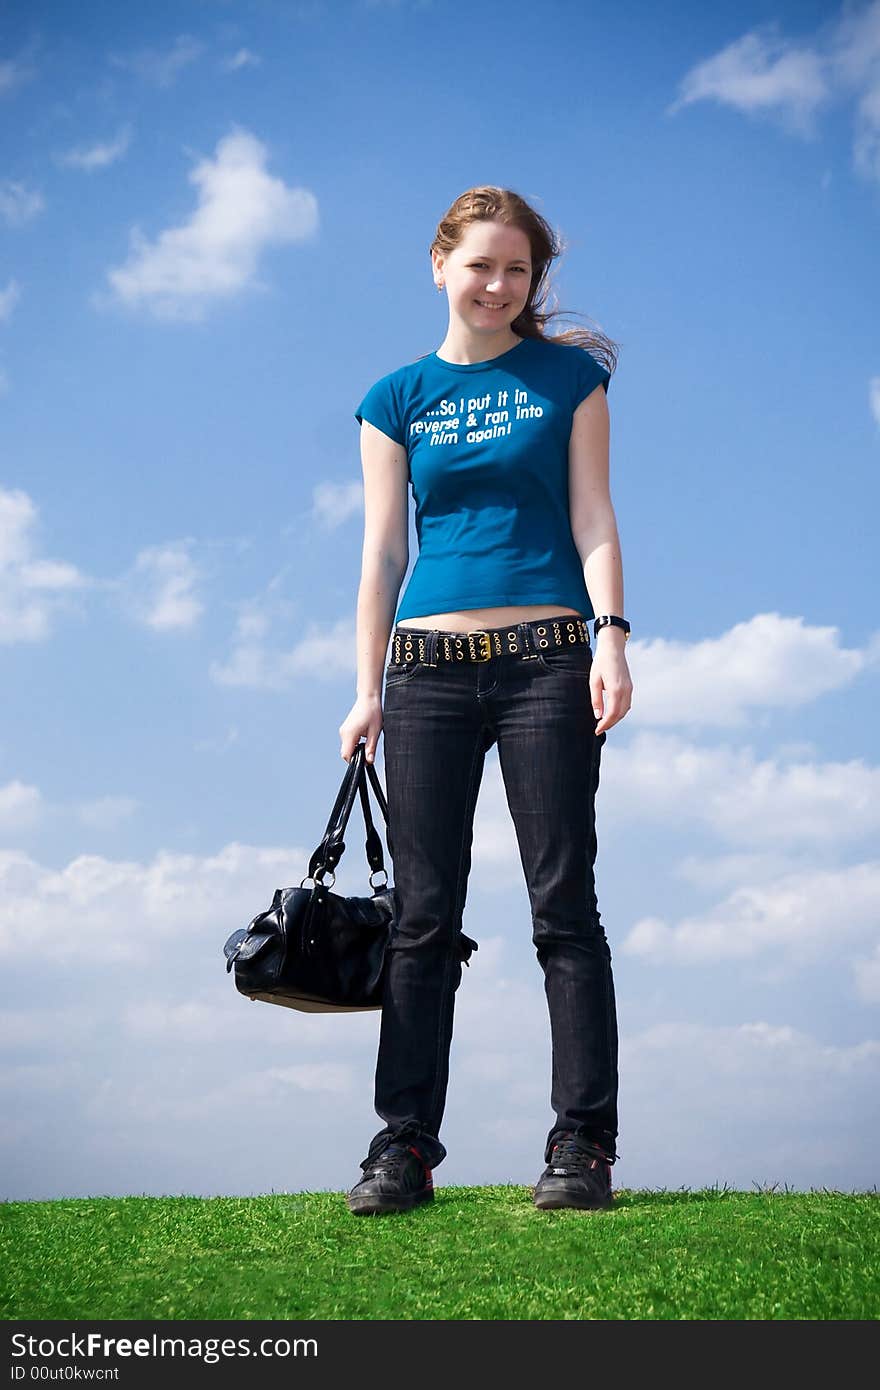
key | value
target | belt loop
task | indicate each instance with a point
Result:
(523, 629)
(431, 648)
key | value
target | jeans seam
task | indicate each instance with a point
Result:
(451, 958)
(607, 974)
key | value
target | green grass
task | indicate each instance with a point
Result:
(474, 1253)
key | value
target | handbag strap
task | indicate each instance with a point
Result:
(377, 789)
(332, 846)
(373, 843)
(338, 816)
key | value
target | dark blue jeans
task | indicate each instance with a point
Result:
(439, 721)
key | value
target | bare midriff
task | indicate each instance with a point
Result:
(476, 619)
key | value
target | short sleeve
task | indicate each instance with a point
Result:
(588, 375)
(379, 406)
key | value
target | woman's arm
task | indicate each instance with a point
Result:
(594, 527)
(383, 565)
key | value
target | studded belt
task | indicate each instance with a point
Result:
(525, 639)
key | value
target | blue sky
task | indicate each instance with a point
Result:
(214, 231)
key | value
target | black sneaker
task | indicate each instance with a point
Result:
(578, 1175)
(397, 1179)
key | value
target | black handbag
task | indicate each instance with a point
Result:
(313, 949)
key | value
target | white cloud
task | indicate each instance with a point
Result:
(23, 807)
(243, 58)
(99, 155)
(41, 1076)
(39, 1028)
(214, 1017)
(743, 1102)
(32, 589)
(14, 72)
(855, 63)
(161, 1019)
(159, 590)
(866, 973)
(752, 1100)
(18, 203)
(749, 1102)
(765, 662)
(313, 1076)
(122, 908)
(322, 653)
(760, 72)
(106, 812)
(160, 66)
(714, 872)
(8, 300)
(746, 800)
(764, 72)
(333, 504)
(801, 917)
(242, 211)
(220, 743)
(774, 815)
(20, 806)
(494, 843)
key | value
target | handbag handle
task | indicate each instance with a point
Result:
(332, 846)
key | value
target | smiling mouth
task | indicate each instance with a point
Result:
(484, 305)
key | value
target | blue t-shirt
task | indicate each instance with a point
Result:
(487, 444)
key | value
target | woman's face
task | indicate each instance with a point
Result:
(487, 276)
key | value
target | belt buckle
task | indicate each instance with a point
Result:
(485, 638)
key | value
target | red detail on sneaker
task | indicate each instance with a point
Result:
(429, 1181)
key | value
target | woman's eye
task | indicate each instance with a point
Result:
(480, 265)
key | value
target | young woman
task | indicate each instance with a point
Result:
(503, 433)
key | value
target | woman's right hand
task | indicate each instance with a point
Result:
(364, 720)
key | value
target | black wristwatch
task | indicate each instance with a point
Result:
(610, 620)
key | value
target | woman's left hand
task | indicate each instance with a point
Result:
(610, 678)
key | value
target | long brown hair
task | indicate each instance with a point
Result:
(488, 203)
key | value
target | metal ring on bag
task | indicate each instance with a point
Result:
(378, 871)
(319, 882)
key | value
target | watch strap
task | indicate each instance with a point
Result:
(611, 620)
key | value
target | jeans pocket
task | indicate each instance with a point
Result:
(574, 660)
(399, 672)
